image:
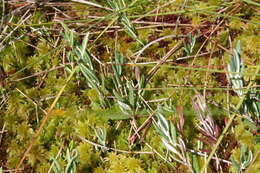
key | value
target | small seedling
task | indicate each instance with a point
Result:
(119, 7)
(71, 165)
(189, 45)
(174, 143)
(246, 157)
(235, 69)
(101, 135)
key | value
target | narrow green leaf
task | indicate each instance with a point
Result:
(195, 164)
(125, 108)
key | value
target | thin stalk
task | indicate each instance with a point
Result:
(189, 68)
(202, 11)
(92, 4)
(228, 124)
(31, 64)
(45, 119)
(252, 3)
(108, 26)
(252, 162)
(114, 149)
(192, 88)
(3, 13)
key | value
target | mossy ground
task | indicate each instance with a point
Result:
(145, 57)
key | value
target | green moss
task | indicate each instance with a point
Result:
(37, 45)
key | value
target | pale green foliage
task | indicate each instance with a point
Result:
(235, 67)
(250, 107)
(119, 7)
(71, 163)
(171, 141)
(188, 47)
(246, 157)
(101, 135)
(110, 97)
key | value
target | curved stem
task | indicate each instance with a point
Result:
(228, 124)
(38, 132)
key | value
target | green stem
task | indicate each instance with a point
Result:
(45, 119)
(108, 26)
(252, 3)
(228, 124)
(191, 68)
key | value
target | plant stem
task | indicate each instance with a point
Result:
(228, 124)
(45, 119)
(255, 158)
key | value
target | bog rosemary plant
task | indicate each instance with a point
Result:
(235, 69)
(119, 7)
(129, 103)
(82, 57)
(246, 157)
(71, 163)
(117, 69)
(172, 142)
(125, 92)
(189, 45)
(251, 104)
(101, 134)
(107, 104)
(207, 125)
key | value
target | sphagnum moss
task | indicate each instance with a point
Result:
(131, 86)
